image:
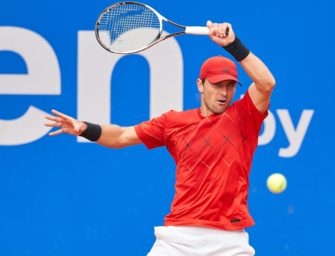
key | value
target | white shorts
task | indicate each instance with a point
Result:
(199, 241)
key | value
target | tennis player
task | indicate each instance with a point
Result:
(213, 147)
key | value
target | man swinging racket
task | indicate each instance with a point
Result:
(213, 147)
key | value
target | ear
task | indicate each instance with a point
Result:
(200, 85)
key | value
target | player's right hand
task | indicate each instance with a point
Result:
(221, 33)
(66, 123)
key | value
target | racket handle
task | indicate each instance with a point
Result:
(196, 30)
(200, 30)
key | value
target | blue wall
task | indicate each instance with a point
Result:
(60, 196)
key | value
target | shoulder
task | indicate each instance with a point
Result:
(184, 113)
(246, 107)
(175, 118)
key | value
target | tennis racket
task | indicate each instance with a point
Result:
(130, 27)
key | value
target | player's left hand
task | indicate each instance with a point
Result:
(217, 32)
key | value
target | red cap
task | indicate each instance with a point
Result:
(217, 69)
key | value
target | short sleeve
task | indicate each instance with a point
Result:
(251, 118)
(151, 132)
(249, 108)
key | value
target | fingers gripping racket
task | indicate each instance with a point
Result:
(130, 27)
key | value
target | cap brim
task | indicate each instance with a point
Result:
(222, 77)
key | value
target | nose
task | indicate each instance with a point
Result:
(223, 90)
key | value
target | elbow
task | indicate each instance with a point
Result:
(272, 84)
(117, 145)
(269, 85)
(120, 142)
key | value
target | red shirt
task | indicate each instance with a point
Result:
(213, 159)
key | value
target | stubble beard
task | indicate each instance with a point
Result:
(212, 108)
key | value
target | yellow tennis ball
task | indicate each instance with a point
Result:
(276, 183)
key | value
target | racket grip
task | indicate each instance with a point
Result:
(196, 30)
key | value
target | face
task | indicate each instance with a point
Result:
(215, 98)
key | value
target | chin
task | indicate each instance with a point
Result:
(220, 111)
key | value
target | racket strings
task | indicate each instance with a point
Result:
(128, 27)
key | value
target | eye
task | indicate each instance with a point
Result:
(231, 85)
(217, 85)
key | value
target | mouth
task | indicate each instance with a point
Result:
(222, 101)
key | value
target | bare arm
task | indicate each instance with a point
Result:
(112, 136)
(263, 81)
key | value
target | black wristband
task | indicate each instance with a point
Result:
(92, 132)
(237, 49)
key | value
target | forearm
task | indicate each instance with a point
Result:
(263, 81)
(115, 136)
(110, 135)
(258, 72)
(253, 66)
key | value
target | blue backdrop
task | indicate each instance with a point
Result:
(61, 196)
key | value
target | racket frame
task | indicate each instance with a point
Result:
(158, 38)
